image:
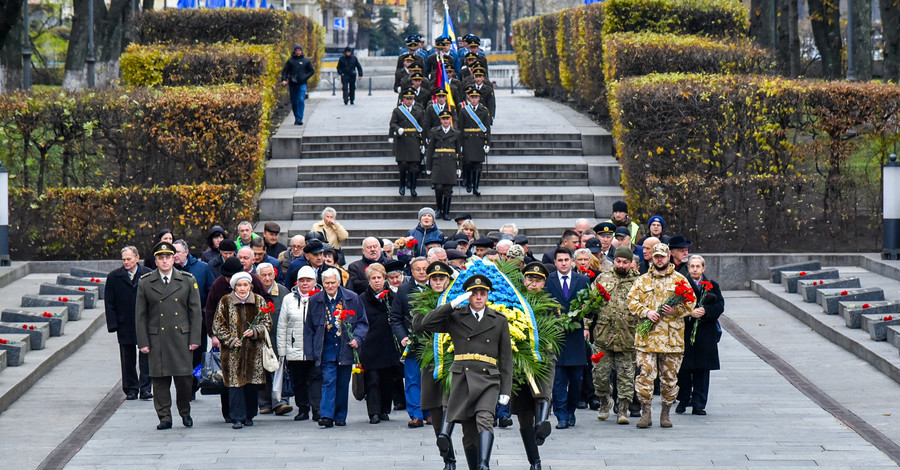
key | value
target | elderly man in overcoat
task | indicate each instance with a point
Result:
(118, 298)
(169, 324)
(482, 365)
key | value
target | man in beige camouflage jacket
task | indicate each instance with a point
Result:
(664, 344)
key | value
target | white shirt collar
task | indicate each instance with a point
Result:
(568, 276)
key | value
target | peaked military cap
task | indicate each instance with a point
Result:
(445, 114)
(411, 42)
(605, 228)
(438, 268)
(440, 92)
(478, 71)
(163, 248)
(536, 268)
(408, 93)
(415, 69)
(441, 40)
(478, 281)
(474, 41)
(408, 56)
(471, 55)
(416, 76)
(472, 91)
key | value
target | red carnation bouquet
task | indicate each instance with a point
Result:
(683, 295)
(264, 311)
(342, 320)
(705, 287)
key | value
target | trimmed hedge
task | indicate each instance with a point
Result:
(633, 54)
(718, 18)
(89, 223)
(756, 163)
(227, 25)
(203, 65)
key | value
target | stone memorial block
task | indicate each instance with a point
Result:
(876, 324)
(55, 317)
(75, 303)
(15, 345)
(87, 272)
(90, 293)
(39, 332)
(775, 271)
(69, 280)
(851, 311)
(829, 298)
(808, 288)
(789, 278)
(2, 360)
(893, 335)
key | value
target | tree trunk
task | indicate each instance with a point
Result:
(11, 58)
(762, 20)
(861, 16)
(825, 19)
(786, 38)
(890, 25)
(10, 15)
(109, 42)
(470, 25)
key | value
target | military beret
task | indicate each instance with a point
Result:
(484, 241)
(438, 268)
(535, 268)
(478, 281)
(163, 248)
(445, 114)
(624, 252)
(605, 228)
(456, 254)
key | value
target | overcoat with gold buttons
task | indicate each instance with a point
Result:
(475, 384)
(168, 320)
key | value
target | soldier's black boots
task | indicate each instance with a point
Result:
(485, 444)
(531, 448)
(413, 181)
(439, 198)
(476, 180)
(444, 443)
(403, 183)
(542, 426)
(447, 200)
(471, 457)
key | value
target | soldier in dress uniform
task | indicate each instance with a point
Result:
(476, 139)
(403, 71)
(470, 61)
(441, 160)
(168, 322)
(473, 45)
(456, 87)
(421, 88)
(433, 110)
(482, 365)
(443, 52)
(412, 48)
(485, 90)
(407, 135)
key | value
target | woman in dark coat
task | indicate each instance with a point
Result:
(703, 355)
(379, 354)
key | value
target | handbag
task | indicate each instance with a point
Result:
(358, 386)
(269, 359)
(211, 380)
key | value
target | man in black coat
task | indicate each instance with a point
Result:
(372, 252)
(475, 122)
(118, 297)
(347, 68)
(295, 73)
(442, 161)
(701, 353)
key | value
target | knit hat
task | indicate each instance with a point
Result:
(656, 218)
(241, 276)
(227, 245)
(624, 252)
(426, 210)
(620, 206)
(231, 266)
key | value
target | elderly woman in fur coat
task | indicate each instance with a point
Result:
(241, 323)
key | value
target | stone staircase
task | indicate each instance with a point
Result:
(540, 177)
(43, 316)
(850, 306)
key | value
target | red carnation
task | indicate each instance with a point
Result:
(802, 273)
(844, 292)
(889, 317)
(82, 289)
(314, 292)
(25, 327)
(98, 280)
(48, 314)
(92, 279)
(866, 305)
(596, 357)
(411, 243)
(383, 293)
(3, 341)
(350, 312)
(31, 327)
(706, 285)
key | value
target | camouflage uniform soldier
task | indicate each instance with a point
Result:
(665, 342)
(614, 336)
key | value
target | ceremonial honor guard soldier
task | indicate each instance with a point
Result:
(412, 47)
(482, 365)
(421, 88)
(407, 136)
(485, 90)
(443, 52)
(433, 110)
(441, 161)
(475, 124)
(169, 324)
(402, 74)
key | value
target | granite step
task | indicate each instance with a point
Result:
(16, 346)
(893, 336)
(74, 304)
(38, 331)
(775, 271)
(90, 293)
(3, 359)
(807, 288)
(57, 318)
(789, 278)
(876, 324)
(829, 298)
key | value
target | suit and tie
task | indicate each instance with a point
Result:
(571, 360)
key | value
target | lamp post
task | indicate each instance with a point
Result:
(891, 183)
(26, 49)
(90, 53)
(4, 217)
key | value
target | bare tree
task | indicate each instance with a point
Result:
(825, 19)
(861, 18)
(109, 40)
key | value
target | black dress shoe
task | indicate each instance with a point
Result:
(316, 416)
(301, 417)
(187, 421)
(594, 404)
(237, 425)
(131, 396)
(582, 405)
(146, 396)
(164, 425)
(340, 423)
(681, 408)
(400, 406)
(562, 425)
(506, 422)
(326, 422)
(374, 419)
(384, 417)
(698, 411)
(248, 422)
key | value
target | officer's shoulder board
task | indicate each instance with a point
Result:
(145, 275)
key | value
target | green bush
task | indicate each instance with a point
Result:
(634, 54)
(95, 223)
(719, 18)
(755, 163)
